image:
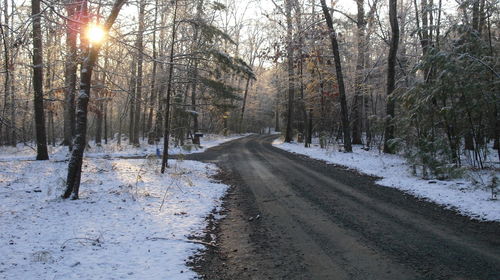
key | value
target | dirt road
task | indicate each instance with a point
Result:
(291, 217)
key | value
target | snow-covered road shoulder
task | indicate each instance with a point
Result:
(131, 221)
(460, 195)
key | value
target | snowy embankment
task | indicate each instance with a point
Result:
(131, 222)
(473, 200)
(25, 152)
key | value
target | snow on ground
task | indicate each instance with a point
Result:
(461, 195)
(119, 229)
(28, 152)
(131, 222)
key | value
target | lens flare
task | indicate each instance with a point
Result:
(95, 34)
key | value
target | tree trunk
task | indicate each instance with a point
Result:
(240, 125)
(133, 101)
(153, 91)
(8, 71)
(346, 131)
(140, 49)
(105, 107)
(166, 132)
(70, 76)
(41, 138)
(76, 159)
(391, 77)
(196, 139)
(100, 118)
(360, 66)
(49, 76)
(291, 85)
(300, 41)
(277, 115)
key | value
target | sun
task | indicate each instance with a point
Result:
(95, 33)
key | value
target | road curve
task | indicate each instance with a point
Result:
(292, 217)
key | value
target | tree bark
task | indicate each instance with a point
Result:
(291, 85)
(240, 125)
(153, 90)
(391, 77)
(166, 132)
(133, 102)
(10, 133)
(196, 41)
(70, 76)
(346, 131)
(360, 66)
(138, 96)
(100, 115)
(41, 138)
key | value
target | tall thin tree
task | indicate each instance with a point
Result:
(139, 45)
(41, 138)
(166, 132)
(391, 77)
(346, 130)
(70, 74)
(291, 82)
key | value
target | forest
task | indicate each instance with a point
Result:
(414, 77)
(421, 78)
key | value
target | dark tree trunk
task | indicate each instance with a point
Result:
(9, 97)
(76, 159)
(302, 124)
(240, 125)
(105, 107)
(346, 131)
(70, 76)
(166, 132)
(99, 121)
(277, 116)
(138, 97)
(4, 129)
(308, 141)
(153, 91)
(360, 66)
(133, 101)
(41, 138)
(291, 85)
(49, 75)
(391, 77)
(196, 139)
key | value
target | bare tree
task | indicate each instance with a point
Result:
(41, 138)
(340, 78)
(139, 45)
(289, 58)
(166, 132)
(70, 73)
(76, 159)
